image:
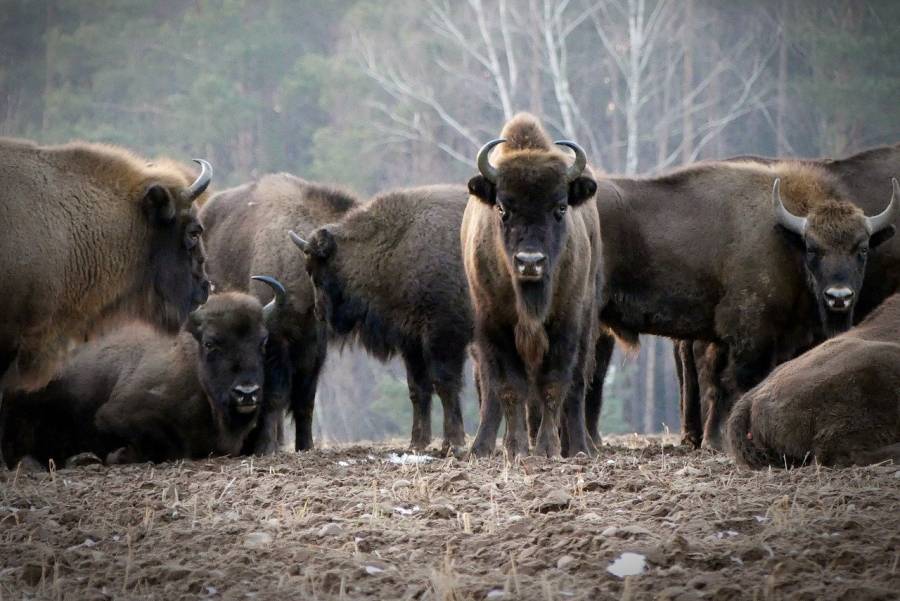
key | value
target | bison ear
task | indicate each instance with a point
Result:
(483, 190)
(581, 189)
(195, 323)
(322, 244)
(882, 236)
(159, 205)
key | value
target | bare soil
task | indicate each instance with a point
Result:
(346, 523)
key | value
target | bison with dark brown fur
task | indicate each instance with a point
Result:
(837, 404)
(91, 233)
(389, 275)
(708, 389)
(531, 249)
(246, 232)
(783, 268)
(138, 394)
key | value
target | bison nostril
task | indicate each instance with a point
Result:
(530, 264)
(839, 297)
(245, 394)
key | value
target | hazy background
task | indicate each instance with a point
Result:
(376, 94)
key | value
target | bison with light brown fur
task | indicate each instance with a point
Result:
(246, 232)
(837, 404)
(531, 249)
(91, 233)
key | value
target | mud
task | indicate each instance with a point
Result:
(347, 523)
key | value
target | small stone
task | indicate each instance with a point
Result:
(256, 540)
(589, 517)
(331, 529)
(82, 460)
(565, 561)
(556, 500)
(610, 531)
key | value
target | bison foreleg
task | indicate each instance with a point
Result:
(691, 419)
(491, 412)
(7, 356)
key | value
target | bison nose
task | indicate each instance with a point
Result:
(839, 298)
(530, 265)
(245, 397)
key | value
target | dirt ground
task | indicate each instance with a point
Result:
(347, 523)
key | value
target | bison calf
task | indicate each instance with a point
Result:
(838, 403)
(138, 394)
(390, 274)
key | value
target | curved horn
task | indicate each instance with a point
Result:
(201, 183)
(300, 242)
(878, 222)
(484, 162)
(577, 168)
(269, 311)
(785, 218)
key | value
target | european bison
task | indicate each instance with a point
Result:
(138, 394)
(782, 269)
(838, 403)
(531, 248)
(90, 233)
(707, 387)
(390, 276)
(246, 232)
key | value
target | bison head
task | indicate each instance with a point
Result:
(232, 331)
(532, 190)
(319, 251)
(176, 263)
(836, 238)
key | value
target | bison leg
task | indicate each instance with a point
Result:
(7, 356)
(548, 442)
(516, 439)
(420, 388)
(691, 420)
(593, 400)
(491, 413)
(309, 358)
(714, 369)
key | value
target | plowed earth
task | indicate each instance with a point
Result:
(347, 523)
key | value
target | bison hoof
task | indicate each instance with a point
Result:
(691, 440)
(453, 450)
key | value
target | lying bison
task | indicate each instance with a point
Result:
(788, 257)
(838, 403)
(138, 394)
(707, 387)
(531, 247)
(245, 232)
(390, 276)
(91, 233)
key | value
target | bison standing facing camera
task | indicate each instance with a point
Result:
(139, 394)
(531, 249)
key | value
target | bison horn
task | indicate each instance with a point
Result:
(300, 242)
(484, 162)
(887, 217)
(785, 218)
(580, 163)
(201, 183)
(276, 303)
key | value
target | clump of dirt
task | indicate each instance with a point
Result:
(371, 523)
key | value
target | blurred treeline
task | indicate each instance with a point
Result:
(373, 94)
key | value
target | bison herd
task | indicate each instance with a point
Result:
(143, 318)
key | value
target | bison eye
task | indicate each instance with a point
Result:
(863, 251)
(504, 214)
(560, 212)
(210, 346)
